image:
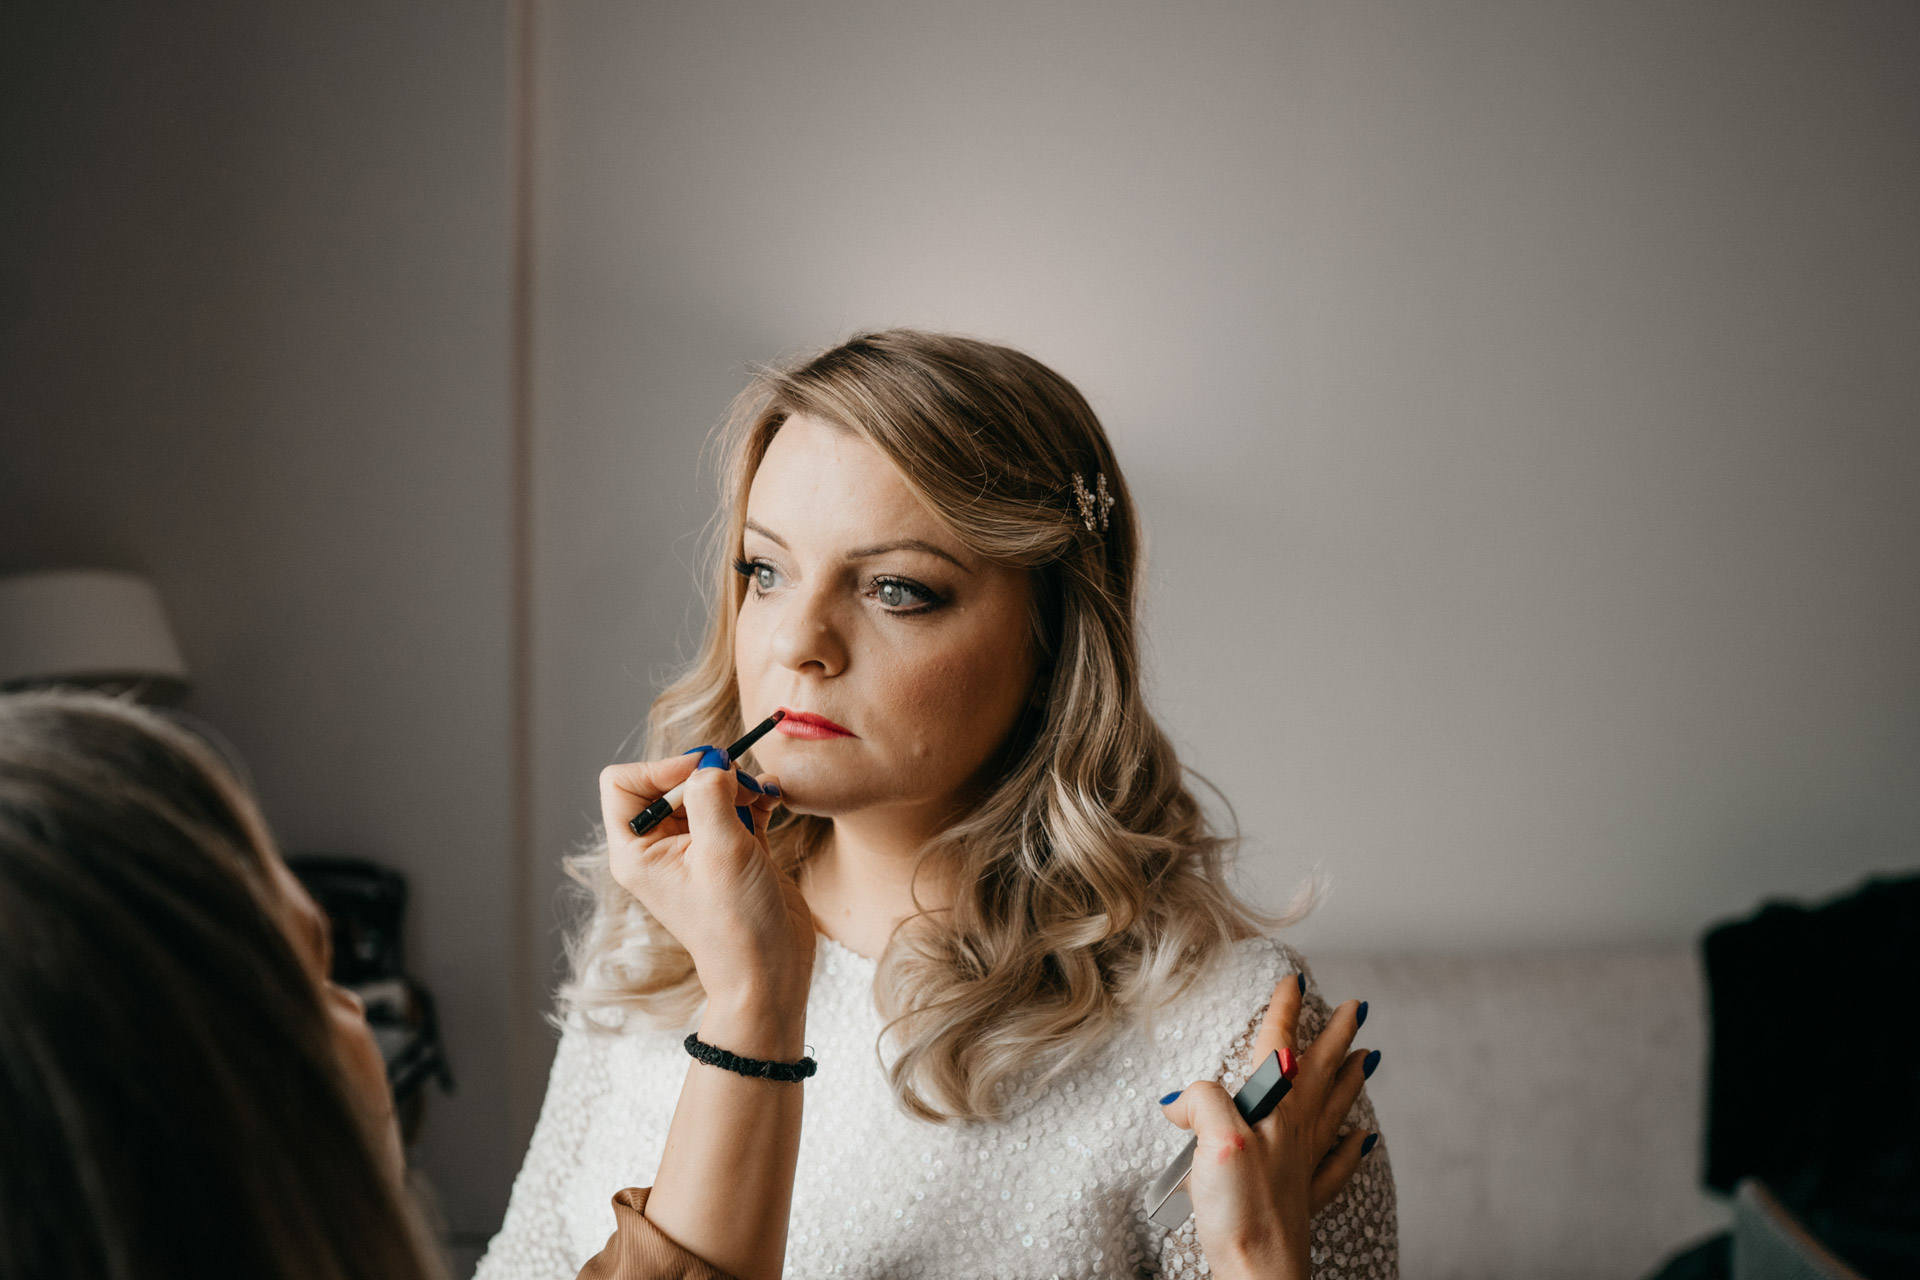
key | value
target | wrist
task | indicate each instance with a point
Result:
(1264, 1257)
(756, 1024)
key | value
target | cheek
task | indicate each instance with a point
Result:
(963, 699)
(749, 648)
(939, 682)
(937, 701)
(351, 1032)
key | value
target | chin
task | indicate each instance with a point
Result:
(819, 801)
(820, 792)
(812, 766)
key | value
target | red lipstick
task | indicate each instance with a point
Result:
(804, 724)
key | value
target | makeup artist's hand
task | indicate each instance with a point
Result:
(712, 884)
(1255, 1188)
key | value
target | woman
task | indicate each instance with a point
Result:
(929, 561)
(182, 1091)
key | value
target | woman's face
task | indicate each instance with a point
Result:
(360, 1059)
(902, 660)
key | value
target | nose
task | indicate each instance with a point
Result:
(807, 638)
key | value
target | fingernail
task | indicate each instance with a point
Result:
(1301, 978)
(712, 758)
(750, 782)
(771, 788)
(745, 815)
(1366, 1148)
(694, 751)
(1368, 1063)
(1170, 1097)
(1288, 1063)
(1361, 1020)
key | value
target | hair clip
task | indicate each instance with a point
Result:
(1095, 504)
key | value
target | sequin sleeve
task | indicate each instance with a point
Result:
(1357, 1237)
(533, 1242)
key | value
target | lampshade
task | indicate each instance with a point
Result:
(88, 627)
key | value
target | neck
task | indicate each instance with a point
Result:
(860, 885)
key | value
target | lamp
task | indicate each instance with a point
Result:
(88, 627)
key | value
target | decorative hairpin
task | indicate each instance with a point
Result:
(1093, 505)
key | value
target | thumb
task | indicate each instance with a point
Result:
(1178, 1108)
(1205, 1108)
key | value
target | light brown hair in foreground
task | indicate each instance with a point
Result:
(1091, 887)
(170, 1100)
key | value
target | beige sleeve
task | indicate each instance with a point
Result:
(638, 1250)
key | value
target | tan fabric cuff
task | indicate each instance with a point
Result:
(638, 1250)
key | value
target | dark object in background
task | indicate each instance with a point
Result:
(367, 905)
(1769, 1243)
(1814, 1078)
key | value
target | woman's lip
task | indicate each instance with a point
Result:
(803, 724)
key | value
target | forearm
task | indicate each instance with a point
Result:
(725, 1183)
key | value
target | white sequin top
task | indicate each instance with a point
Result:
(1054, 1190)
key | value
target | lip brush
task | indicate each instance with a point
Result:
(654, 814)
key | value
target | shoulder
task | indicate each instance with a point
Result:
(1244, 984)
(1204, 1028)
(1241, 978)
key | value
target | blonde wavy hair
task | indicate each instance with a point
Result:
(1090, 886)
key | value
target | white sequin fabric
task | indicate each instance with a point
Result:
(1055, 1190)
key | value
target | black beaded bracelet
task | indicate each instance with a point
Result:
(784, 1072)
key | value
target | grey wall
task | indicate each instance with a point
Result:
(254, 274)
(1519, 398)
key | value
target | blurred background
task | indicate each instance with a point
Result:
(1520, 397)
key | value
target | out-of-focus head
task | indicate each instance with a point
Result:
(165, 1048)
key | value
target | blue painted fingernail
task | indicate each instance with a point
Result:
(1368, 1063)
(1366, 1148)
(771, 788)
(694, 751)
(1301, 978)
(1360, 1020)
(712, 758)
(745, 815)
(1170, 1097)
(750, 782)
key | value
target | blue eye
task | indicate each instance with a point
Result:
(759, 573)
(901, 595)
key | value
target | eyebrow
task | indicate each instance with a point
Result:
(864, 553)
